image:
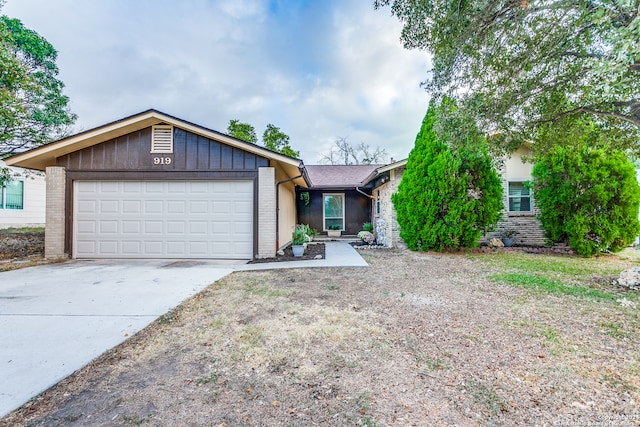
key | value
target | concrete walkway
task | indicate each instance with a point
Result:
(56, 318)
(337, 254)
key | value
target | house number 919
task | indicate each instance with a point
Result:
(162, 160)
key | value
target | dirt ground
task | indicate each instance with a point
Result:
(21, 247)
(417, 339)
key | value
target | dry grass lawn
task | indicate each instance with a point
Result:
(417, 339)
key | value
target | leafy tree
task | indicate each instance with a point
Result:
(587, 197)
(344, 153)
(33, 110)
(507, 62)
(449, 194)
(243, 131)
(272, 138)
(275, 140)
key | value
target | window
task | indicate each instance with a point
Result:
(12, 196)
(519, 197)
(162, 139)
(333, 211)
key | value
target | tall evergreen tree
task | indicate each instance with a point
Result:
(588, 197)
(449, 194)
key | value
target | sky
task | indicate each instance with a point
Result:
(317, 69)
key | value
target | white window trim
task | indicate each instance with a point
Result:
(509, 197)
(162, 139)
(3, 195)
(324, 218)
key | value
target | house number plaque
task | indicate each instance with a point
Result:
(162, 160)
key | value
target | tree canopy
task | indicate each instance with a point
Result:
(243, 131)
(276, 140)
(33, 110)
(516, 65)
(272, 138)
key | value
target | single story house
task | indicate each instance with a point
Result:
(155, 186)
(22, 199)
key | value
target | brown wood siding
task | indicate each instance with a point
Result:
(191, 152)
(357, 209)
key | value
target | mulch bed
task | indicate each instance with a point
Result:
(18, 244)
(312, 250)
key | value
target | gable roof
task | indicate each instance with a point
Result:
(45, 155)
(339, 176)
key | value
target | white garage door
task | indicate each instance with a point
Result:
(163, 219)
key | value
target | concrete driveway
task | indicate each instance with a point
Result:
(56, 318)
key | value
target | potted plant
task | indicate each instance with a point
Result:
(298, 240)
(367, 226)
(507, 236)
(334, 231)
(310, 232)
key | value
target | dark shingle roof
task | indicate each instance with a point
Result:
(339, 175)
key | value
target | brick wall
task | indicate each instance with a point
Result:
(55, 213)
(266, 213)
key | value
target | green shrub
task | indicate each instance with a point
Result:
(367, 226)
(588, 198)
(449, 195)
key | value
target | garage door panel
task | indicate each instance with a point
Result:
(153, 207)
(131, 206)
(163, 219)
(131, 247)
(108, 247)
(108, 206)
(176, 227)
(176, 207)
(130, 227)
(108, 227)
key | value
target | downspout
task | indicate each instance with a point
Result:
(370, 197)
(278, 206)
(363, 193)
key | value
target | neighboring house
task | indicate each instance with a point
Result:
(22, 200)
(155, 186)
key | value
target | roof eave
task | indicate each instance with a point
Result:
(41, 157)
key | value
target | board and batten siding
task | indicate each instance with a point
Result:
(191, 152)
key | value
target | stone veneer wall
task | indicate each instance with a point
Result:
(387, 212)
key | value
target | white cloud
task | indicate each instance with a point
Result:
(316, 69)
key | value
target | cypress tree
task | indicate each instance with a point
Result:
(588, 198)
(449, 195)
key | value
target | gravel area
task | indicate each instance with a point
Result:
(417, 339)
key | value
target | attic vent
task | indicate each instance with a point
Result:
(162, 139)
